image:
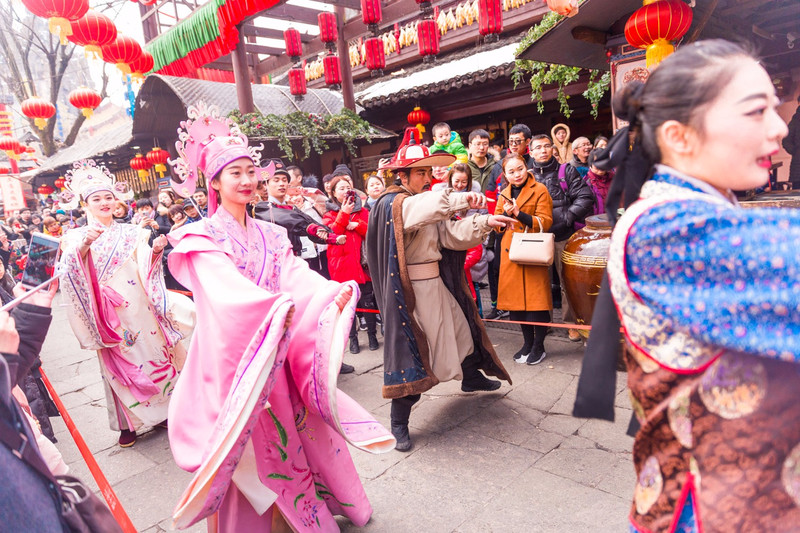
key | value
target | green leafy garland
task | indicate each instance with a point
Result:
(542, 74)
(311, 129)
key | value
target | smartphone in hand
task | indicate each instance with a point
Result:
(42, 256)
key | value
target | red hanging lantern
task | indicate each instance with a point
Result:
(59, 13)
(142, 66)
(418, 118)
(122, 52)
(490, 18)
(85, 99)
(141, 165)
(655, 24)
(5, 170)
(566, 8)
(328, 33)
(428, 40)
(332, 69)
(30, 150)
(297, 83)
(158, 157)
(92, 31)
(39, 110)
(376, 56)
(45, 190)
(10, 145)
(371, 14)
(60, 182)
(294, 45)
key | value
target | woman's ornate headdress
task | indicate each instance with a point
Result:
(87, 178)
(206, 143)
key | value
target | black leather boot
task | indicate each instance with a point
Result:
(400, 413)
(473, 379)
(373, 341)
(354, 347)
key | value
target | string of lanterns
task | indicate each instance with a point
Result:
(329, 34)
(399, 37)
(72, 20)
(156, 159)
(297, 74)
(372, 14)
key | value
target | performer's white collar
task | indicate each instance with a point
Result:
(700, 184)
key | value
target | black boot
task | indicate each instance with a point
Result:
(346, 369)
(400, 413)
(473, 379)
(373, 341)
(479, 382)
(354, 347)
(400, 432)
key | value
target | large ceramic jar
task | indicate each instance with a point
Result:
(585, 258)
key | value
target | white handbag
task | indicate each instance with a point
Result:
(532, 248)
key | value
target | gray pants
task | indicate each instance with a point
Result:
(566, 311)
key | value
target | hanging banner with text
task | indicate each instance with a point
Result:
(13, 196)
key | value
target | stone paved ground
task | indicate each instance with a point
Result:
(509, 461)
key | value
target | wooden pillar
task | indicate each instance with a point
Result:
(348, 94)
(241, 74)
(149, 26)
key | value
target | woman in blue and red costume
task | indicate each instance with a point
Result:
(257, 415)
(707, 295)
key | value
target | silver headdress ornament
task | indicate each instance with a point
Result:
(206, 143)
(86, 178)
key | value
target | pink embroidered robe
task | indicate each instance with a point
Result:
(257, 415)
(120, 307)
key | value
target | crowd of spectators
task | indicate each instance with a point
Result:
(326, 218)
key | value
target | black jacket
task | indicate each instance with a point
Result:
(293, 220)
(570, 206)
(791, 143)
(28, 504)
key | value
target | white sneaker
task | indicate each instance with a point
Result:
(534, 359)
(521, 359)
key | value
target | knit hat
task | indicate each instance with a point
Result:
(342, 170)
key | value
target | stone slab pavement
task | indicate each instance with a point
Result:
(509, 461)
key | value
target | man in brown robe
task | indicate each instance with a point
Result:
(416, 247)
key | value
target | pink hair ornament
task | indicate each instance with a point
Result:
(206, 144)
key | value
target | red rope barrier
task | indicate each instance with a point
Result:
(548, 324)
(105, 487)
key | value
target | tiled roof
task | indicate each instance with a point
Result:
(469, 69)
(88, 146)
(163, 101)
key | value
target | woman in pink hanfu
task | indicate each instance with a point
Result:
(257, 415)
(119, 306)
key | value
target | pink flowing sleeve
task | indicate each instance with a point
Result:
(238, 325)
(319, 332)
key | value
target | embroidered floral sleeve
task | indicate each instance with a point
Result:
(75, 288)
(151, 274)
(725, 274)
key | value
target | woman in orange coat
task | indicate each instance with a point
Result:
(524, 290)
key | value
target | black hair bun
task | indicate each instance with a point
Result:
(627, 103)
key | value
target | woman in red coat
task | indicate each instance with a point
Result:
(346, 216)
